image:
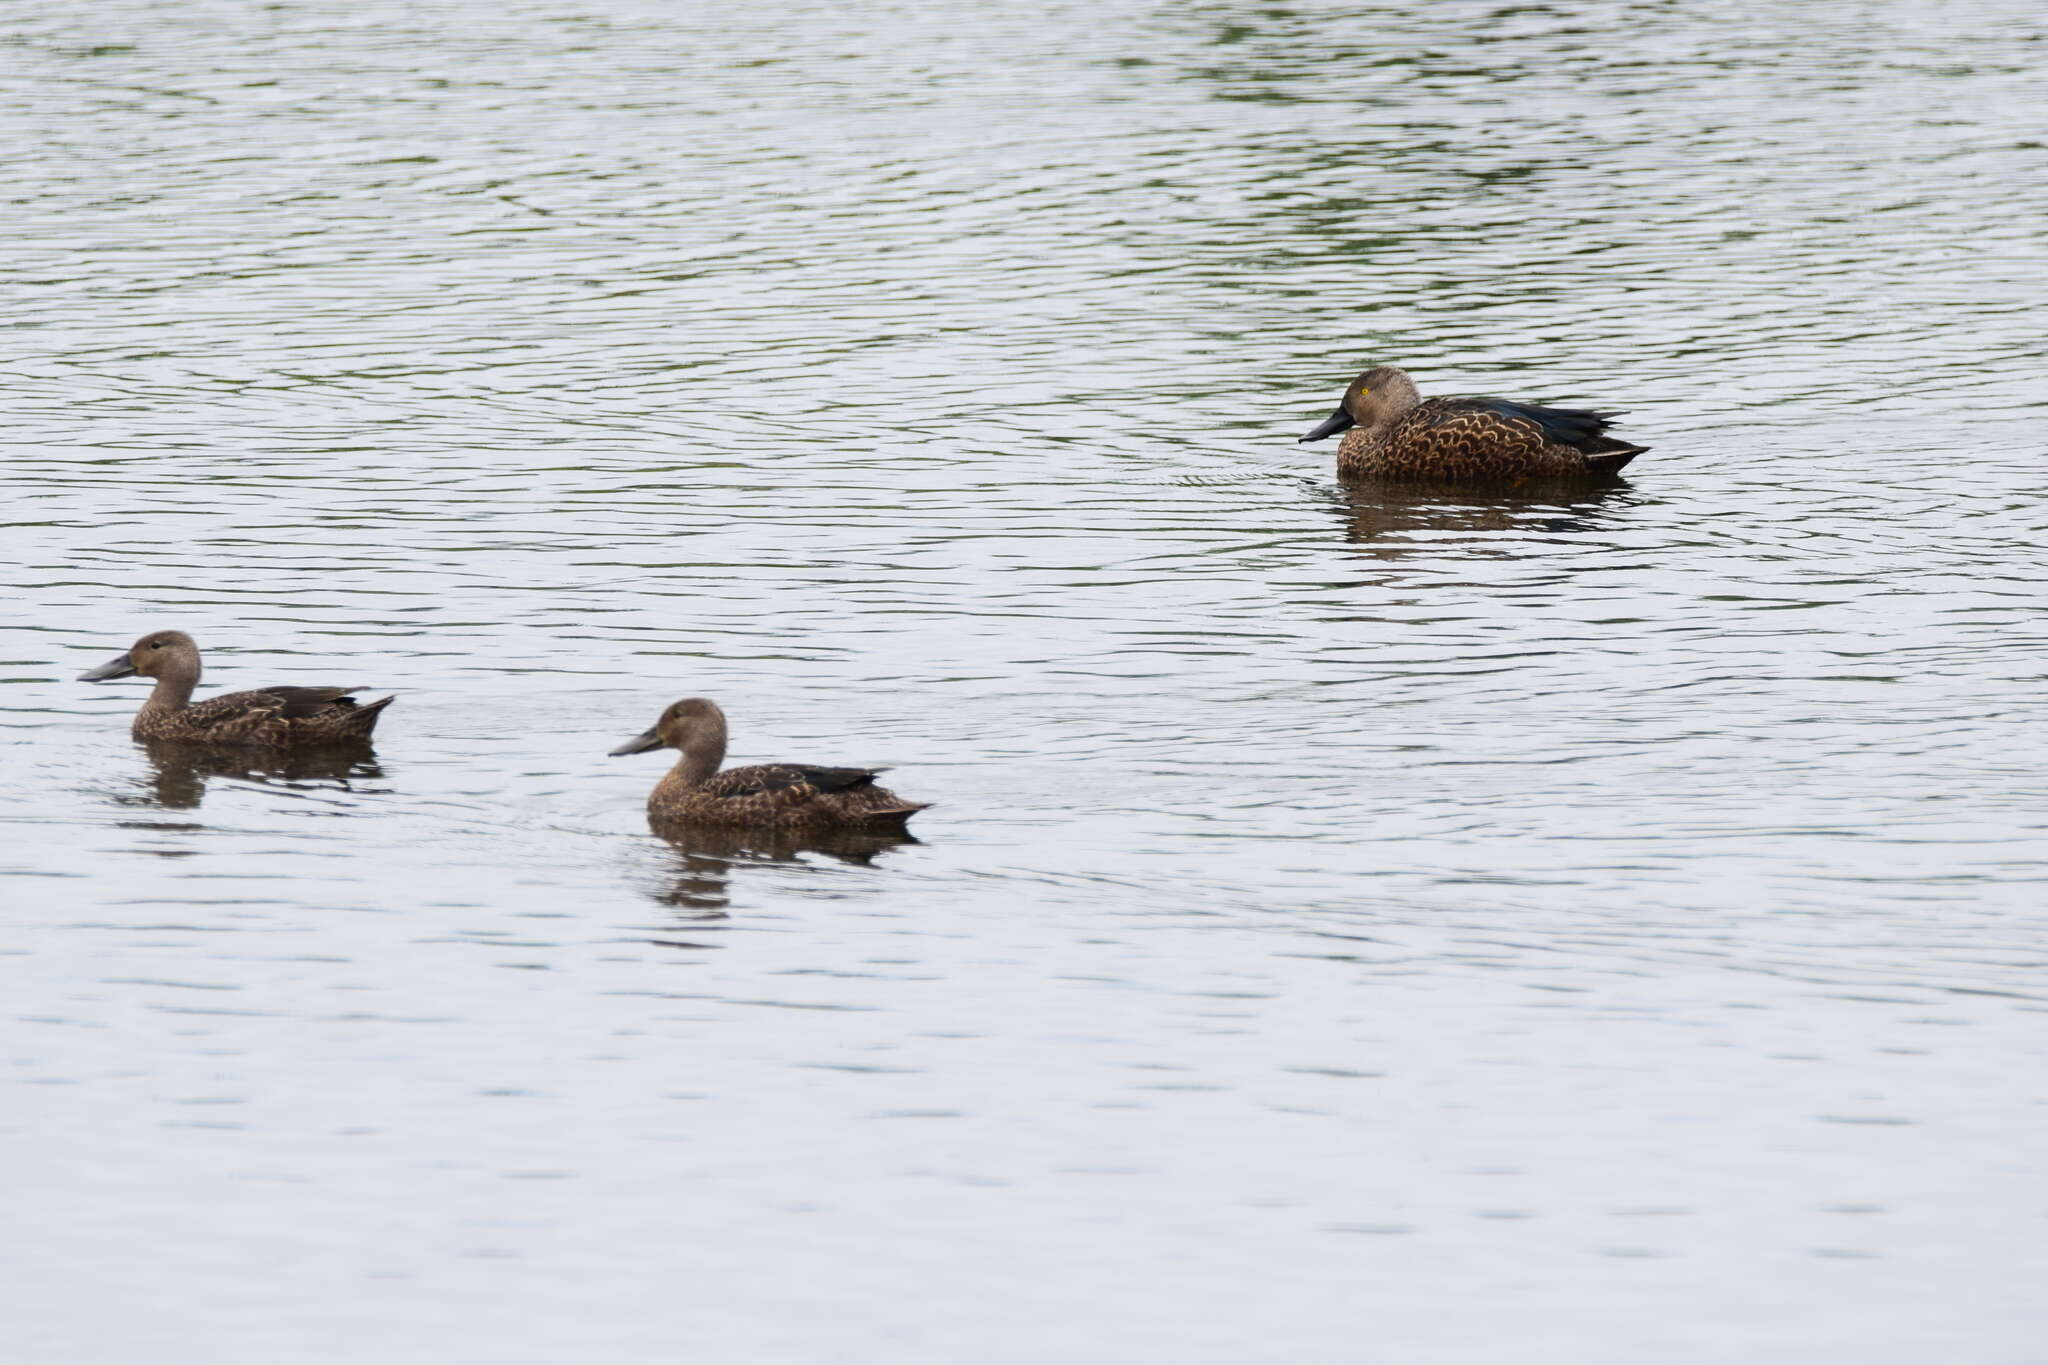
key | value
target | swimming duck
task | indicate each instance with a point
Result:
(784, 797)
(1396, 434)
(269, 717)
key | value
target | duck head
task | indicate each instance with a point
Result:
(155, 655)
(688, 723)
(1374, 399)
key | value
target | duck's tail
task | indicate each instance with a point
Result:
(1609, 456)
(363, 719)
(893, 817)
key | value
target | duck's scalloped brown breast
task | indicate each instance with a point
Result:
(785, 797)
(266, 717)
(1479, 440)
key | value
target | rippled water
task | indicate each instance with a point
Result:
(1354, 925)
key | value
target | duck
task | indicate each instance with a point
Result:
(266, 718)
(782, 798)
(1395, 433)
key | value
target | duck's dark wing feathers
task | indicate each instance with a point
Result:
(291, 703)
(768, 777)
(310, 701)
(1580, 427)
(230, 707)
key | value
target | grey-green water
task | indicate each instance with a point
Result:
(1353, 927)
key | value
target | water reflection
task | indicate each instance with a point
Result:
(697, 880)
(178, 773)
(1391, 829)
(1393, 521)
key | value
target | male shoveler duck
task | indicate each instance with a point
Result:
(269, 717)
(781, 797)
(1394, 433)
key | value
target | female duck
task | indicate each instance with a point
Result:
(269, 717)
(783, 797)
(1396, 434)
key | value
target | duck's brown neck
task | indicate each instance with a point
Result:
(175, 679)
(702, 754)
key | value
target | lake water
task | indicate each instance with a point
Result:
(1353, 926)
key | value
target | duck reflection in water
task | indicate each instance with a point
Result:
(697, 876)
(1393, 521)
(179, 772)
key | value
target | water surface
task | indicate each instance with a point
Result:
(1601, 927)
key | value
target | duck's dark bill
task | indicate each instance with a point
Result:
(119, 667)
(1338, 421)
(639, 744)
